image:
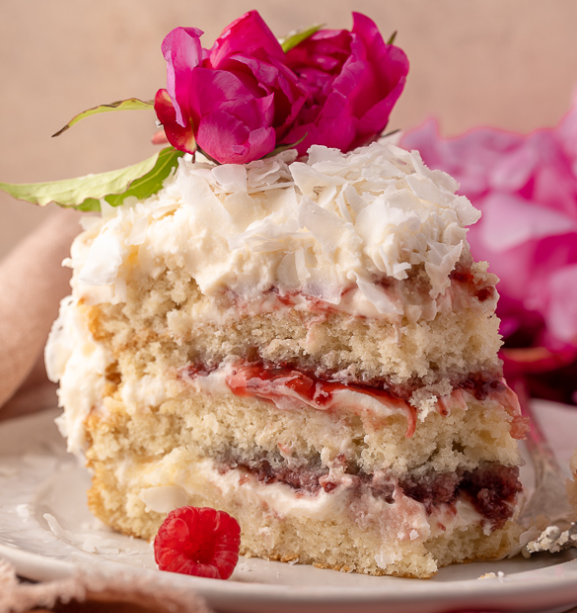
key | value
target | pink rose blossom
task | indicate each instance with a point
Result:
(353, 79)
(526, 189)
(244, 97)
(235, 100)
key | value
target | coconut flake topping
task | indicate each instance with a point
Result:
(332, 223)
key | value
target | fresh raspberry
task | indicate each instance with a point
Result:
(198, 541)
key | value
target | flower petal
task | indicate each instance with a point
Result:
(353, 79)
(229, 140)
(509, 221)
(182, 52)
(561, 315)
(178, 136)
(248, 35)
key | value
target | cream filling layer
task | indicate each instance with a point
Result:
(169, 484)
(360, 299)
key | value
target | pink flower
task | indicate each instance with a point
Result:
(236, 100)
(526, 189)
(244, 97)
(353, 79)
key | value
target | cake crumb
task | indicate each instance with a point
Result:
(499, 575)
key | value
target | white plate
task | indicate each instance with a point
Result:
(46, 531)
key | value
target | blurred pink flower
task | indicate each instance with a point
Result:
(526, 189)
(236, 100)
(353, 79)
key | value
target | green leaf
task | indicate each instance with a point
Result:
(390, 133)
(392, 38)
(152, 181)
(90, 204)
(84, 193)
(294, 39)
(132, 104)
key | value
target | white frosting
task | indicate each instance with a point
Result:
(335, 222)
(79, 363)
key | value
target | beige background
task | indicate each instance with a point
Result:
(509, 63)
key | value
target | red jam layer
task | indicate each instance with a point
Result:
(491, 488)
(305, 382)
(290, 387)
(475, 287)
(274, 383)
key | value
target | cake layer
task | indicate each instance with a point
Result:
(317, 507)
(165, 329)
(220, 424)
(363, 534)
(168, 318)
(297, 476)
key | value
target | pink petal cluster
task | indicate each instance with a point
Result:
(526, 189)
(353, 80)
(244, 97)
(236, 99)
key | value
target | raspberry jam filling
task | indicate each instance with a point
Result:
(290, 387)
(245, 374)
(306, 479)
(280, 384)
(491, 488)
(474, 286)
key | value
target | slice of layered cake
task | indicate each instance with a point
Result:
(306, 345)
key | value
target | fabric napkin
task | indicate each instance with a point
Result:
(124, 592)
(32, 282)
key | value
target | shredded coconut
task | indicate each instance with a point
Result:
(319, 227)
